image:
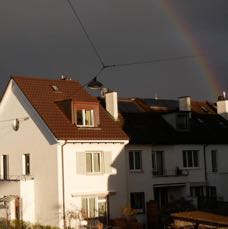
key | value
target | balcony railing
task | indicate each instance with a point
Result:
(170, 172)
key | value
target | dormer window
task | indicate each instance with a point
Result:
(85, 118)
(85, 114)
(182, 121)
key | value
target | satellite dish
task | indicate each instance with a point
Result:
(16, 124)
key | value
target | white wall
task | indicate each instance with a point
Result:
(172, 159)
(78, 185)
(32, 138)
(219, 178)
(145, 181)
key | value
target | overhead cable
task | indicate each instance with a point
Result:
(103, 66)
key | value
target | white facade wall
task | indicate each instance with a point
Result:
(220, 177)
(144, 181)
(32, 138)
(172, 159)
(41, 192)
(110, 182)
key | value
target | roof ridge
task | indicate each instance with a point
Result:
(41, 79)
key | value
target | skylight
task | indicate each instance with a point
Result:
(55, 88)
(200, 120)
(204, 109)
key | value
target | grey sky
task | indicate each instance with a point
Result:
(42, 38)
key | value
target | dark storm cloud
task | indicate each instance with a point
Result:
(42, 38)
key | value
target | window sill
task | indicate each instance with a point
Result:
(136, 171)
(140, 211)
(191, 168)
(88, 128)
(94, 174)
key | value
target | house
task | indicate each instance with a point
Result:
(57, 153)
(177, 148)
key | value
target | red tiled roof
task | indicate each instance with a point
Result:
(45, 101)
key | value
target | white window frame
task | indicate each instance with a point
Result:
(97, 200)
(192, 158)
(92, 161)
(24, 170)
(84, 118)
(134, 169)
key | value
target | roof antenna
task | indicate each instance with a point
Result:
(224, 94)
(156, 96)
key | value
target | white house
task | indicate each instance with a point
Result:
(177, 148)
(60, 151)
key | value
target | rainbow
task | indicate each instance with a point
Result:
(206, 69)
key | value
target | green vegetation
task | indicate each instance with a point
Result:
(15, 224)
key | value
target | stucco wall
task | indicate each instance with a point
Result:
(220, 177)
(111, 181)
(32, 138)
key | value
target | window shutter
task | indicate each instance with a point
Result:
(23, 164)
(107, 162)
(81, 162)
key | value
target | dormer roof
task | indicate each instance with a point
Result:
(52, 101)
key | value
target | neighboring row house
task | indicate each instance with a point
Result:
(61, 151)
(177, 148)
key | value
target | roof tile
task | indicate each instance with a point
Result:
(45, 101)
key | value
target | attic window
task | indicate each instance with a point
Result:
(182, 121)
(55, 88)
(85, 118)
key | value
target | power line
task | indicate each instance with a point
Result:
(153, 61)
(103, 66)
(85, 32)
(177, 58)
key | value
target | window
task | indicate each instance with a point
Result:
(94, 206)
(157, 163)
(214, 161)
(135, 160)
(197, 191)
(93, 162)
(25, 164)
(5, 167)
(85, 118)
(182, 121)
(211, 192)
(190, 159)
(138, 201)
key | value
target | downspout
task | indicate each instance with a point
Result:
(205, 162)
(63, 186)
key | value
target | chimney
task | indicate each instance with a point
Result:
(111, 103)
(222, 106)
(185, 103)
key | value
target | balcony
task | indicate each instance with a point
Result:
(170, 172)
